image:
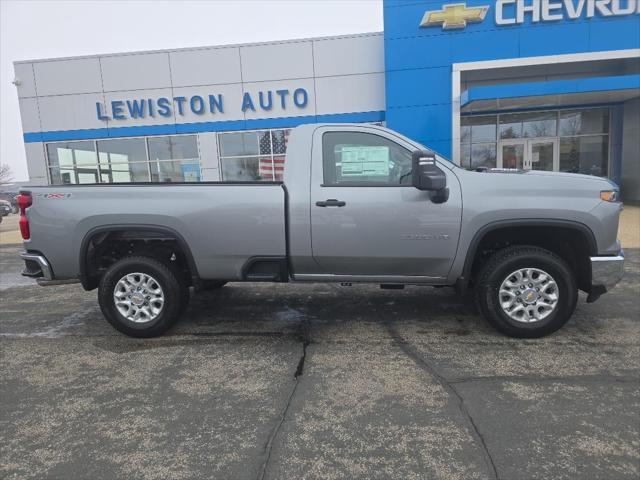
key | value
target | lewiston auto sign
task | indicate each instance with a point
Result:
(514, 12)
(263, 101)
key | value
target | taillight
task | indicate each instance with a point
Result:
(24, 201)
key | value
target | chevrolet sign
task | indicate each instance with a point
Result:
(515, 12)
(454, 16)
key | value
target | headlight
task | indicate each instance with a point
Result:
(610, 195)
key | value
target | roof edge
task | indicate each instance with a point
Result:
(206, 47)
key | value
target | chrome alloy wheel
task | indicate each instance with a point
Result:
(138, 297)
(528, 295)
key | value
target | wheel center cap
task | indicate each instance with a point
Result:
(137, 299)
(529, 296)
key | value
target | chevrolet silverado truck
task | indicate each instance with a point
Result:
(359, 203)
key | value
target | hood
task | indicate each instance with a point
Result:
(533, 184)
(566, 175)
(534, 174)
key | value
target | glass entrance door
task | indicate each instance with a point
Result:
(531, 154)
(542, 155)
(511, 154)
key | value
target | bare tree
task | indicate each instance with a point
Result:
(6, 175)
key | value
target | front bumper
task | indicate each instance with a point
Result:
(606, 272)
(36, 266)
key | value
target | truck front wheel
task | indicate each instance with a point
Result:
(141, 297)
(526, 291)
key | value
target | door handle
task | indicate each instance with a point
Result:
(332, 202)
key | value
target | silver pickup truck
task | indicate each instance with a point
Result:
(359, 203)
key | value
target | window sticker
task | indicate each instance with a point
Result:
(364, 161)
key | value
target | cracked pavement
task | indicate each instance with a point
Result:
(316, 381)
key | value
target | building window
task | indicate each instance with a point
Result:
(72, 162)
(174, 159)
(582, 136)
(584, 122)
(253, 156)
(122, 160)
(586, 154)
(478, 142)
(528, 125)
(125, 172)
(584, 141)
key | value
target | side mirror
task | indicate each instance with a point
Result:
(425, 172)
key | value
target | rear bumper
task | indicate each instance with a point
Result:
(36, 266)
(606, 272)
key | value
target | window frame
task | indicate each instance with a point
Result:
(73, 168)
(558, 113)
(273, 156)
(600, 136)
(324, 184)
(98, 164)
(471, 143)
(528, 113)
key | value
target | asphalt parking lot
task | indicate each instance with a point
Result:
(316, 381)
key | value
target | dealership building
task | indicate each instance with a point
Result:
(533, 84)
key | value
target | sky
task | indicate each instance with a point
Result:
(31, 29)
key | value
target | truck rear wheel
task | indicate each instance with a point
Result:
(526, 292)
(141, 297)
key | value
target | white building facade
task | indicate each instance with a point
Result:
(202, 114)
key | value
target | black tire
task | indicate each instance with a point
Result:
(212, 284)
(172, 288)
(501, 265)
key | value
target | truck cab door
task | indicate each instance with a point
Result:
(367, 220)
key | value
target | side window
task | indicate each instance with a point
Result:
(366, 158)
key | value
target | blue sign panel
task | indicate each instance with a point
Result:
(423, 39)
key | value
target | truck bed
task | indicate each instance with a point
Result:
(224, 224)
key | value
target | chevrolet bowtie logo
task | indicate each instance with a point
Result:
(454, 16)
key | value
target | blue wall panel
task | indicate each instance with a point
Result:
(483, 45)
(431, 124)
(443, 147)
(424, 86)
(436, 119)
(554, 39)
(421, 52)
(615, 34)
